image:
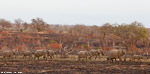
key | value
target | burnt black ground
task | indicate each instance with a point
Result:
(75, 67)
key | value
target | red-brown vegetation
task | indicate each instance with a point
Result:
(38, 33)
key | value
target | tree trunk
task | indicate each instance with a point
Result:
(113, 44)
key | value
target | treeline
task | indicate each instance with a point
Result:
(21, 35)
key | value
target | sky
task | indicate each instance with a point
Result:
(71, 12)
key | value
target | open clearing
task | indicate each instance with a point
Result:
(74, 67)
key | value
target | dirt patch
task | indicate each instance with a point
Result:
(75, 67)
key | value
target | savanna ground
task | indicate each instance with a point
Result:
(72, 66)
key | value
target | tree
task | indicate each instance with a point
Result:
(18, 23)
(25, 26)
(130, 34)
(39, 25)
(105, 31)
(4, 24)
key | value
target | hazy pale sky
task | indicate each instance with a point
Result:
(88, 12)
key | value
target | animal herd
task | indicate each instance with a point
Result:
(90, 54)
(27, 54)
(112, 55)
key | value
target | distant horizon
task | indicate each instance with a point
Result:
(12, 21)
(71, 12)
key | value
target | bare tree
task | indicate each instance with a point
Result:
(39, 25)
(25, 25)
(18, 23)
(4, 24)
